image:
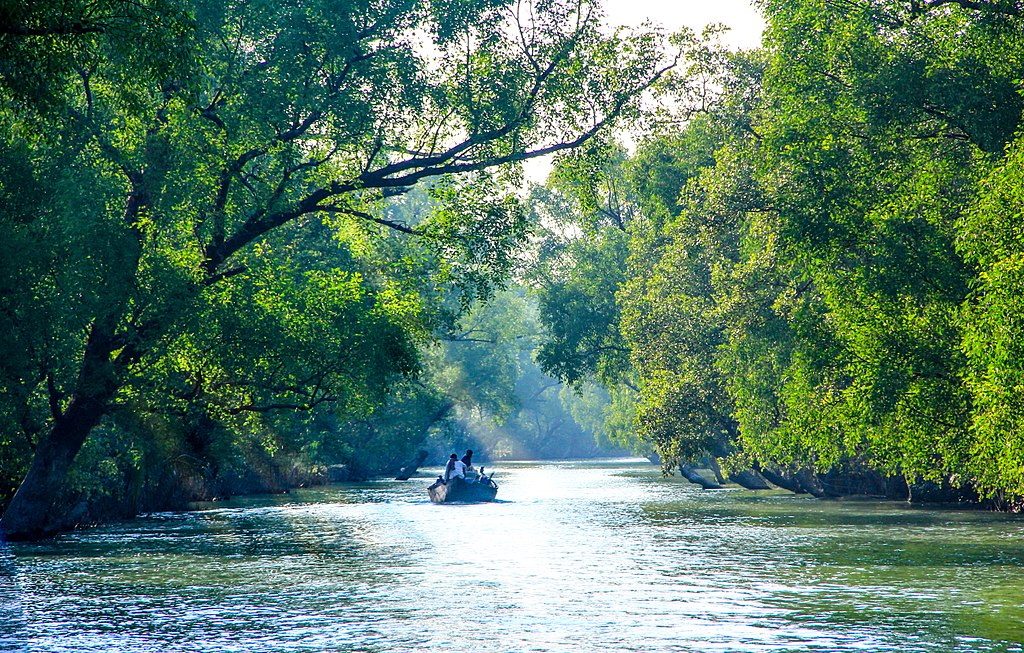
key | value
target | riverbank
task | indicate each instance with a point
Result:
(189, 484)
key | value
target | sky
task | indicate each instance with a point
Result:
(743, 19)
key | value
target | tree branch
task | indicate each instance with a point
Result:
(1005, 8)
(397, 177)
(60, 29)
(53, 395)
(390, 224)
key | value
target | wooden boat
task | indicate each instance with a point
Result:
(458, 490)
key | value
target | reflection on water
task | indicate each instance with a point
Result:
(575, 557)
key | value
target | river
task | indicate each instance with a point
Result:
(576, 556)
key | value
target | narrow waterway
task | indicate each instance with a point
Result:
(605, 556)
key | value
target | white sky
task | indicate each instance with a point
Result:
(740, 16)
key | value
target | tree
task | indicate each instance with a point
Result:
(609, 217)
(809, 291)
(583, 214)
(991, 238)
(171, 177)
(875, 131)
(503, 403)
(669, 306)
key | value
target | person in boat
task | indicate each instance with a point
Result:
(450, 467)
(467, 460)
(458, 469)
(483, 479)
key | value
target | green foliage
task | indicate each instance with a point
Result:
(585, 213)
(580, 312)
(610, 414)
(49, 50)
(209, 232)
(382, 440)
(823, 265)
(474, 234)
(871, 155)
(994, 319)
(501, 402)
(669, 311)
(478, 363)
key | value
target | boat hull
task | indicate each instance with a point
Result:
(458, 490)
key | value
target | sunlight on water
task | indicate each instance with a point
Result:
(573, 557)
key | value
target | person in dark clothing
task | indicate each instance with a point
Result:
(468, 458)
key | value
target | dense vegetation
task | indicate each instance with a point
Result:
(245, 241)
(200, 267)
(820, 273)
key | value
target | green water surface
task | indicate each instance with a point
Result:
(603, 556)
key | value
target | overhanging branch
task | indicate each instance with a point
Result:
(390, 224)
(397, 177)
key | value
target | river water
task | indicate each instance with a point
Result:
(595, 556)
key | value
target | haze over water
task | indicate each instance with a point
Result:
(605, 556)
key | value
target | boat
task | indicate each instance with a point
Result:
(462, 491)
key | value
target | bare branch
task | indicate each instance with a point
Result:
(390, 224)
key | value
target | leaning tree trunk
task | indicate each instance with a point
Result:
(810, 483)
(410, 468)
(749, 479)
(693, 476)
(29, 515)
(786, 482)
(716, 469)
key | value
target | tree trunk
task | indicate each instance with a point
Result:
(692, 476)
(29, 515)
(717, 469)
(410, 468)
(809, 482)
(783, 481)
(749, 479)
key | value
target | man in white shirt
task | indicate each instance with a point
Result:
(459, 470)
(455, 467)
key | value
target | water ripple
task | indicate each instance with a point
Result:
(577, 557)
